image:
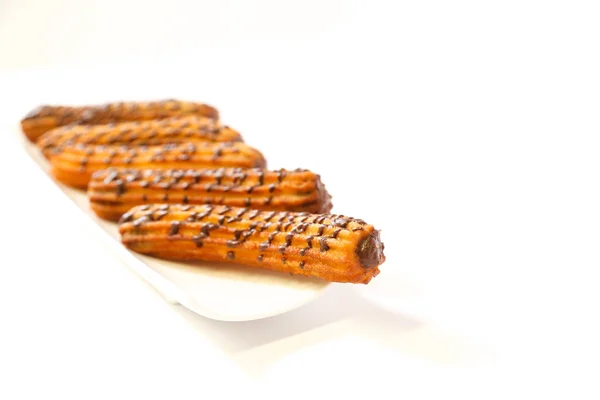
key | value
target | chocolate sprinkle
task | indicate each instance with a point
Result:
(324, 246)
(198, 240)
(309, 241)
(174, 229)
(120, 187)
(159, 215)
(126, 217)
(141, 220)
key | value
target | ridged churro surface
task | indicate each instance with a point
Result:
(331, 247)
(113, 192)
(188, 129)
(74, 165)
(44, 118)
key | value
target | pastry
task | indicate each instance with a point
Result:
(331, 247)
(113, 192)
(188, 129)
(74, 165)
(46, 117)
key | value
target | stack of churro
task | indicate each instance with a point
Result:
(182, 186)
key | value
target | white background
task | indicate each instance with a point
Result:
(466, 131)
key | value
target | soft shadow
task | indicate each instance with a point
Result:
(255, 345)
(423, 340)
(336, 303)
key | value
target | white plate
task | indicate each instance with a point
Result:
(220, 292)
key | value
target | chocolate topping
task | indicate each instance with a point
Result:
(174, 229)
(110, 177)
(324, 245)
(320, 219)
(160, 214)
(269, 216)
(288, 239)
(208, 227)
(224, 210)
(192, 217)
(120, 187)
(321, 230)
(370, 250)
(141, 220)
(341, 222)
(272, 236)
(198, 239)
(309, 241)
(127, 217)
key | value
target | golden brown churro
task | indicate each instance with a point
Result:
(113, 192)
(331, 247)
(44, 118)
(74, 165)
(189, 129)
